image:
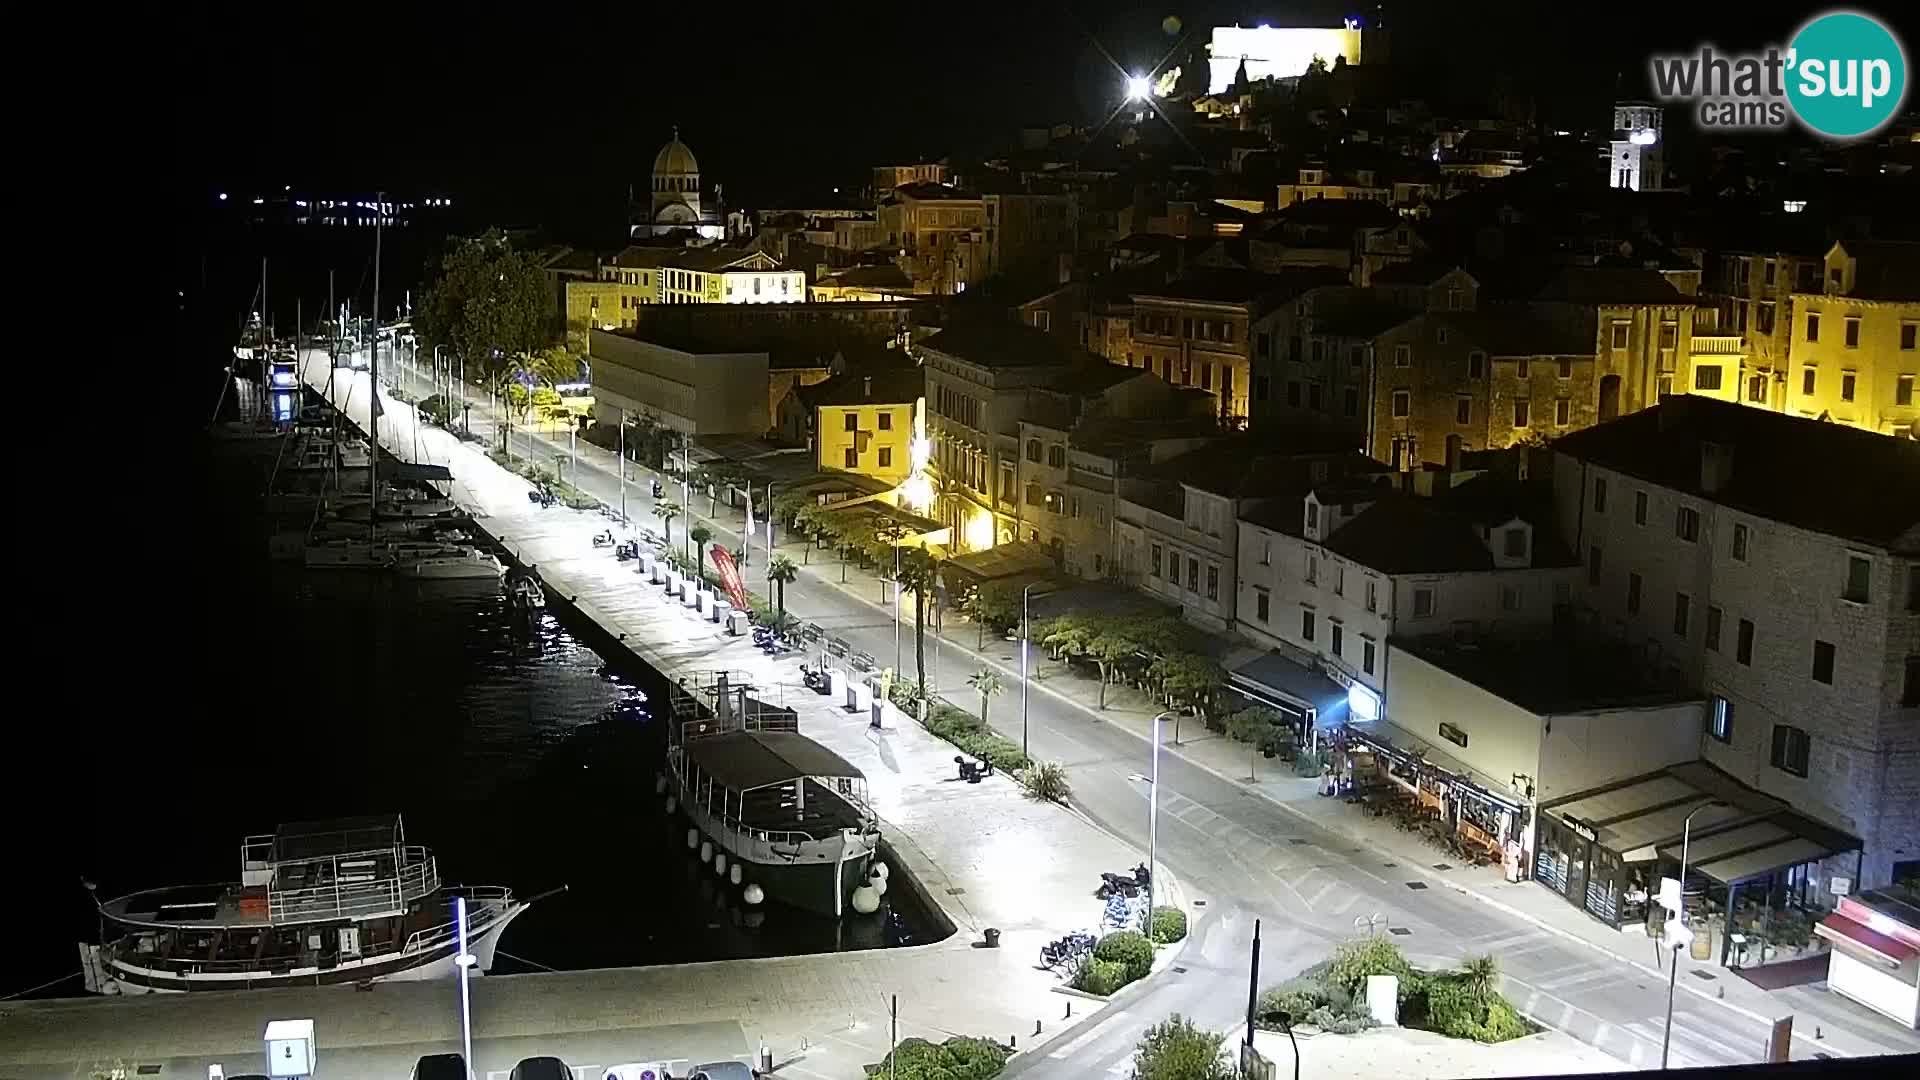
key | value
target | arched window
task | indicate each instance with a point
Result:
(1033, 451)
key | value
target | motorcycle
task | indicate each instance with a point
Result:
(627, 551)
(816, 679)
(603, 539)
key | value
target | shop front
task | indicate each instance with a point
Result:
(1876, 951)
(1752, 885)
(1309, 699)
(1398, 776)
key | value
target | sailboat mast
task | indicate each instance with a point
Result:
(373, 378)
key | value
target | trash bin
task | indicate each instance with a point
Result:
(993, 937)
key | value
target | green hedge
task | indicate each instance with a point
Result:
(964, 730)
(1169, 924)
(959, 1058)
(1129, 947)
(1103, 977)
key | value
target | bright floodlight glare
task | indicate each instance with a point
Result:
(1137, 87)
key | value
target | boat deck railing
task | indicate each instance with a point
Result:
(485, 904)
(356, 886)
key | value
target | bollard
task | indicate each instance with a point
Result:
(1036, 1029)
(1069, 1015)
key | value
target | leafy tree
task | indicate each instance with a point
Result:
(996, 608)
(700, 534)
(1109, 650)
(987, 683)
(1259, 728)
(666, 510)
(488, 303)
(919, 571)
(1177, 1049)
(780, 571)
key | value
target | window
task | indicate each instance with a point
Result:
(1313, 570)
(853, 422)
(1509, 598)
(1706, 377)
(1206, 376)
(1366, 658)
(1790, 746)
(1306, 624)
(1813, 326)
(1373, 594)
(1859, 578)
(1768, 270)
(1757, 389)
(1340, 580)
(1853, 333)
(1562, 411)
(1910, 691)
(1313, 396)
(1313, 515)
(1193, 574)
(1422, 603)
(1846, 386)
(1523, 368)
(1476, 364)
(1153, 559)
(1566, 367)
(1173, 569)
(1741, 537)
(1669, 335)
(886, 457)
(1266, 553)
(1599, 494)
(1293, 394)
(1633, 593)
(1713, 629)
(1516, 543)
(886, 421)
(1057, 456)
(1823, 662)
(1463, 410)
(1339, 635)
(1262, 604)
(1619, 335)
(1403, 356)
(1440, 335)
(1639, 508)
(1686, 524)
(852, 458)
(1808, 378)
(1520, 412)
(1682, 613)
(1720, 718)
(1743, 644)
(1213, 583)
(1033, 451)
(1402, 403)
(1351, 399)
(1908, 331)
(1903, 390)
(1763, 318)
(1593, 565)
(1262, 385)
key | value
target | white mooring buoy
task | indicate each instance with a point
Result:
(706, 850)
(672, 804)
(753, 894)
(693, 839)
(866, 900)
(879, 870)
(733, 873)
(720, 862)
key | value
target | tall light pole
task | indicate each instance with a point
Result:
(1153, 818)
(465, 960)
(1024, 624)
(1679, 941)
(624, 421)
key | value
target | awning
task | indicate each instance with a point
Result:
(1754, 864)
(1281, 683)
(1005, 561)
(1404, 744)
(1855, 938)
(426, 474)
(746, 760)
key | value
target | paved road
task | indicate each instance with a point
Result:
(1246, 857)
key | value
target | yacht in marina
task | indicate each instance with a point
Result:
(321, 902)
(457, 562)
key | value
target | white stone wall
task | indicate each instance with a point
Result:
(1863, 768)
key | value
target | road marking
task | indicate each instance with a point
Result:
(1590, 975)
(1314, 902)
(1345, 904)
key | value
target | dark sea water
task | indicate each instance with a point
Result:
(508, 745)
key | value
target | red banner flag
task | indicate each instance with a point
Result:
(729, 575)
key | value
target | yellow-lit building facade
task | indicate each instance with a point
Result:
(1855, 349)
(607, 305)
(864, 423)
(718, 276)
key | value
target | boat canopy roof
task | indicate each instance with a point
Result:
(431, 474)
(337, 836)
(745, 760)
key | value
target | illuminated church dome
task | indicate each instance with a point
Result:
(675, 202)
(675, 159)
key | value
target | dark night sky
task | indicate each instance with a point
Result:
(545, 111)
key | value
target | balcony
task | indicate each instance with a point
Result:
(1717, 345)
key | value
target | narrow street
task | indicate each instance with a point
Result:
(1239, 854)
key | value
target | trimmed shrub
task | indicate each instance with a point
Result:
(1128, 947)
(1456, 1010)
(1353, 961)
(1168, 924)
(1178, 1049)
(1101, 977)
(959, 1058)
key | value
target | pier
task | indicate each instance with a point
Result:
(984, 855)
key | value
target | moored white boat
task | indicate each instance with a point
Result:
(464, 562)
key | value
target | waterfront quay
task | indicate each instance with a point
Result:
(982, 855)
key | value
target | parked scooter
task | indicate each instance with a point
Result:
(603, 539)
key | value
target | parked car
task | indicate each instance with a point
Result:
(440, 1067)
(541, 1068)
(721, 1070)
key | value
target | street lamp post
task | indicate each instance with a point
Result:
(1678, 942)
(896, 605)
(1153, 818)
(465, 960)
(1025, 623)
(624, 421)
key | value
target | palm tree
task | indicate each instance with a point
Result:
(700, 534)
(919, 570)
(666, 510)
(1482, 975)
(987, 682)
(780, 571)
